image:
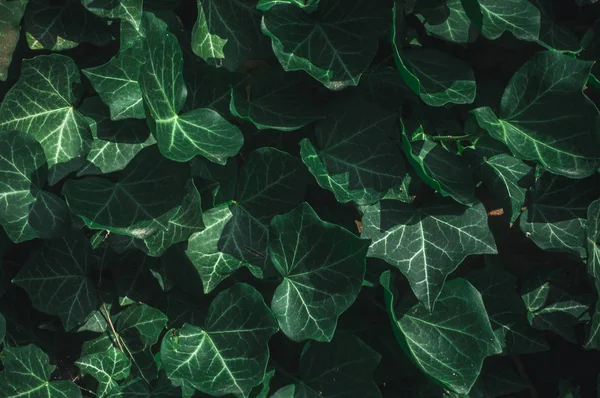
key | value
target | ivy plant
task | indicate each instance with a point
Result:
(299, 198)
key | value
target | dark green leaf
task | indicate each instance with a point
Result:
(62, 25)
(450, 343)
(556, 214)
(108, 367)
(27, 212)
(322, 265)
(354, 156)
(115, 143)
(229, 354)
(128, 10)
(197, 132)
(56, 279)
(447, 173)
(546, 118)
(426, 243)
(27, 373)
(342, 367)
(277, 100)
(271, 182)
(335, 45)
(227, 33)
(41, 104)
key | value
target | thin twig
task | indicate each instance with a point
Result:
(449, 137)
(112, 327)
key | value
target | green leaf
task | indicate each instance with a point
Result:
(498, 378)
(62, 25)
(108, 367)
(385, 87)
(56, 279)
(545, 117)
(335, 45)
(550, 307)
(128, 10)
(115, 143)
(552, 35)
(427, 243)
(210, 87)
(2, 328)
(508, 179)
(10, 19)
(593, 338)
(186, 221)
(322, 265)
(229, 354)
(277, 100)
(355, 157)
(116, 81)
(508, 315)
(307, 5)
(145, 322)
(228, 33)
(447, 173)
(41, 104)
(455, 28)
(436, 77)
(556, 214)
(519, 17)
(136, 205)
(450, 343)
(218, 181)
(197, 132)
(342, 367)
(593, 242)
(271, 182)
(27, 372)
(27, 212)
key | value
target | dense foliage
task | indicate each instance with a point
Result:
(299, 198)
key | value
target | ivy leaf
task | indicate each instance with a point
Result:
(41, 104)
(447, 173)
(335, 45)
(437, 77)
(27, 372)
(27, 212)
(116, 81)
(186, 220)
(108, 367)
(552, 35)
(10, 19)
(322, 265)
(450, 343)
(141, 320)
(218, 181)
(128, 10)
(385, 87)
(426, 243)
(520, 17)
(593, 242)
(197, 132)
(549, 84)
(508, 179)
(271, 182)
(136, 205)
(63, 25)
(229, 354)
(551, 308)
(56, 279)
(556, 216)
(508, 315)
(277, 100)
(115, 143)
(355, 157)
(456, 27)
(342, 367)
(210, 87)
(228, 33)
(307, 5)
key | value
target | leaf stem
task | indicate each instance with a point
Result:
(449, 137)
(112, 327)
